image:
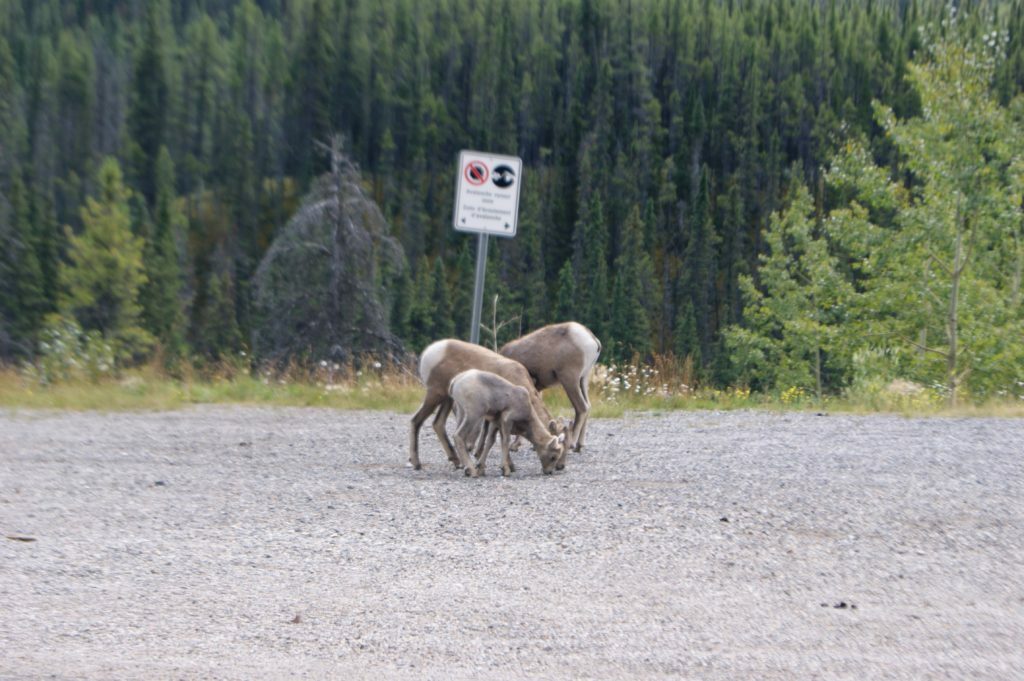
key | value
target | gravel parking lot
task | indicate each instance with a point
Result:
(240, 543)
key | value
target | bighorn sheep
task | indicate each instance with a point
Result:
(560, 353)
(482, 398)
(439, 364)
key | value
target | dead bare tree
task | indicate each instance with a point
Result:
(318, 290)
(496, 327)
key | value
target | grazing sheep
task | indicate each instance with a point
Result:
(481, 397)
(560, 353)
(440, 362)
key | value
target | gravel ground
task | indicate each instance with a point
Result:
(240, 543)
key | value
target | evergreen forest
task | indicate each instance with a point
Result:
(783, 193)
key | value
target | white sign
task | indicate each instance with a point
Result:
(487, 193)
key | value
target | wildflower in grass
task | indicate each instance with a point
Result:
(792, 394)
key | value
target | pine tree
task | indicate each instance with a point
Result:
(701, 264)
(242, 193)
(630, 326)
(75, 98)
(690, 161)
(202, 70)
(401, 307)
(443, 326)
(421, 320)
(592, 272)
(535, 287)
(13, 133)
(665, 247)
(795, 314)
(147, 117)
(100, 282)
(565, 309)
(40, 113)
(310, 117)
(48, 240)
(22, 297)
(687, 341)
(162, 309)
(734, 250)
(216, 334)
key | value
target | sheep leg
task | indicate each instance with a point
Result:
(506, 458)
(439, 422)
(515, 441)
(478, 446)
(582, 408)
(465, 429)
(430, 402)
(585, 389)
(487, 434)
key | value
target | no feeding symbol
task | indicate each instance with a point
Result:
(476, 173)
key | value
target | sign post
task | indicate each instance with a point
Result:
(478, 287)
(486, 202)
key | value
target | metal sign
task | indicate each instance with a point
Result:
(486, 202)
(487, 193)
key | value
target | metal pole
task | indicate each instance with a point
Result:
(478, 287)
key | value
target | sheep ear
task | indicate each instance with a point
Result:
(553, 426)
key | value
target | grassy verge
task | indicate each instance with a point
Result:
(147, 389)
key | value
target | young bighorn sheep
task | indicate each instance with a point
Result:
(439, 364)
(560, 353)
(482, 398)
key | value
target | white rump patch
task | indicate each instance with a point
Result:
(586, 342)
(430, 358)
(468, 374)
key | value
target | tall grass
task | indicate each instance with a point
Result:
(663, 385)
(378, 386)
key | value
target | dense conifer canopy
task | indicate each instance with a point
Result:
(659, 138)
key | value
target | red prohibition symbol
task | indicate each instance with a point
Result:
(476, 173)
